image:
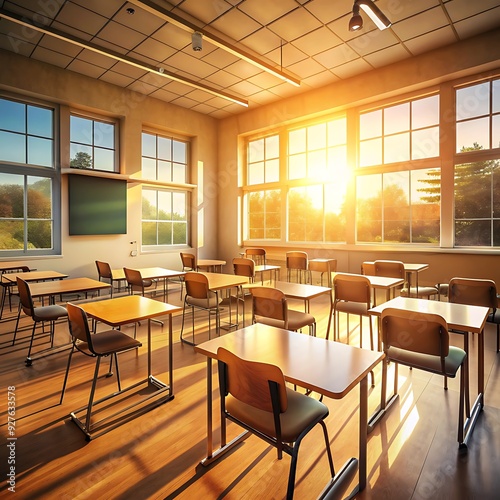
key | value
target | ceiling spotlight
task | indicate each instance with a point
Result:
(196, 41)
(374, 13)
(131, 11)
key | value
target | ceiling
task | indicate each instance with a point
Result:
(150, 52)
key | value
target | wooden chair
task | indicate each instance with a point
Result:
(97, 345)
(9, 288)
(40, 314)
(270, 307)
(105, 274)
(199, 296)
(254, 396)
(421, 341)
(298, 262)
(258, 255)
(188, 264)
(352, 294)
(323, 266)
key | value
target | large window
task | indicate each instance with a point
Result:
(301, 197)
(29, 183)
(93, 144)
(165, 221)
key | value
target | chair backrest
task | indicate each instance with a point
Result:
(244, 267)
(78, 325)
(368, 268)
(188, 261)
(248, 381)
(417, 332)
(134, 279)
(390, 268)
(352, 288)
(25, 297)
(296, 260)
(473, 292)
(258, 255)
(270, 303)
(103, 269)
(196, 285)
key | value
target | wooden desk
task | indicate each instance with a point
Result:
(58, 287)
(262, 268)
(410, 268)
(219, 281)
(458, 317)
(329, 368)
(29, 276)
(13, 266)
(121, 311)
(211, 264)
(384, 283)
(151, 273)
(323, 266)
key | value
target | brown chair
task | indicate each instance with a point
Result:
(40, 314)
(421, 341)
(254, 396)
(97, 345)
(188, 264)
(199, 296)
(270, 307)
(298, 262)
(352, 294)
(9, 288)
(323, 266)
(258, 255)
(105, 274)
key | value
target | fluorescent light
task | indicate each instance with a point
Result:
(374, 13)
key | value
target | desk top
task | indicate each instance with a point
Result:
(71, 285)
(210, 262)
(409, 266)
(330, 368)
(34, 276)
(219, 281)
(458, 316)
(148, 273)
(299, 290)
(265, 267)
(381, 281)
(12, 265)
(128, 309)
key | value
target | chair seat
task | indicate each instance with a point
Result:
(213, 301)
(428, 362)
(301, 412)
(49, 313)
(358, 308)
(494, 317)
(296, 320)
(109, 342)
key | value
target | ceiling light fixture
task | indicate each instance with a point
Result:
(374, 13)
(176, 20)
(23, 21)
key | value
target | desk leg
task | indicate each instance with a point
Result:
(363, 430)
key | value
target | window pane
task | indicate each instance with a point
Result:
(495, 139)
(80, 130)
(335, 220)
(12, 116)
(40, 152)
(337, 132)
(256, 151)
(264, 215)
(397, 118)
(316, 136)
(40, 234)
(149, 233)
(396, 203)
(272, 170)
(472, 233)
(164, 171)
(473, 101)
(305, 214)
(148, 168)
(179, 207)
(425, 143)
(471, 133)
(164, 205)
(148, 145)
(149, 210)
(370, 125)
(179, 233)
(496, 96)
(104, 135)
(11, 232)
(425, 206)
(297, 168)
(40, 122)
(256, 173)
(272, 146)
(369, 208)
(11, 196)
(297, 141)
(180, 152)
(316, 164)
(164, 233)
(425, 112)
(179, 173)
(104, 159)
(370, 153)
(397, 148)
(39, 198)
(80, 156)
(12, 147)
(473, 190)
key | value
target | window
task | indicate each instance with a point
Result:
(399, 207)
(307, 195)
(478, 116)
(399, 133)
(93, 144)
(29, 183)
(165, 210)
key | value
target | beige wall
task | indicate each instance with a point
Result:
(477, 56)
(73, 91)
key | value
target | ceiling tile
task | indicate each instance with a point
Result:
(222, 79)
(335, 57)
(386, 56)
(320, 79)
(61, 46)
(121, 36)
(235, 24)
(204, 11)
(219, 58)
(306, 68)
(14, 44)
(81, 19)
(85, 68)
(297, 23)
(419, 24)
(154, 49)
(189, 64)
(140, 21)
(264, 11)
(51, 57)
(352, 68)
(242, 69)
(372, 41)
(460, 10)
(317, 41)
(116, 79)
(173, 36)
(106, 9)
(327, 11)
(127, 70)
(430, 41)
(478, 24)
(262, 41)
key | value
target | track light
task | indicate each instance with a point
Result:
(374, 13)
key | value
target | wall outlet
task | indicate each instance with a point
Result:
(133, 253)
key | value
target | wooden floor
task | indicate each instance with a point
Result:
(412, 453)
